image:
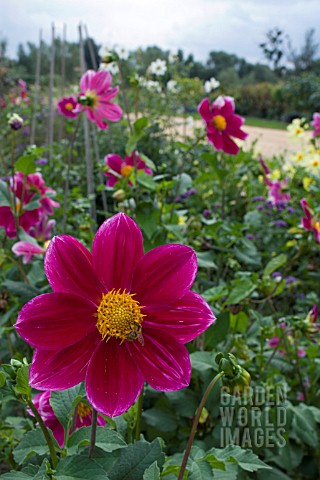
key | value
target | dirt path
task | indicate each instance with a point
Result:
(271, 142)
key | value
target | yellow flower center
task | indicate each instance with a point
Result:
(18, 206)
(315, 163)
(119, 316)
(316, 225)
(219, 122)
(69, 106)
(300, 156)
(126, 170)
(298, 131)
(83, 410)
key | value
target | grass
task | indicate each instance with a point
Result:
(264, 123)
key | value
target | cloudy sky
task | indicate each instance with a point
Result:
(196, 26)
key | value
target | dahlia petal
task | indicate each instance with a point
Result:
(228, 108)
(216, 139)
(114, 161)
(56, 320)
(183, 320)
(101, 81)
(204, 109)
(113, 380)
(65, 368)
(108, 94)
(116, 249)
(86, 80)
(68, 266)
(111, 111)
(112, 180)
(164, 274)
(164, 362)
(229, 146)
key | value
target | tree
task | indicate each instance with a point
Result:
(304, 60)
(273, 50)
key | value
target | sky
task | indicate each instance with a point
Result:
(195, 26)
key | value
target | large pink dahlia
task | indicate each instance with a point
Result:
(222, 123)
(95, 97)
(116, 317)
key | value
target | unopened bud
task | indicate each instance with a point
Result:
(119, 195)
(235, 378)
(15, 121)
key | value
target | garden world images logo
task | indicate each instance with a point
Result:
(256, 418)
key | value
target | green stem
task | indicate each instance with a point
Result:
(139, 413)
(45, 431)
(93, 432)
(195, 423)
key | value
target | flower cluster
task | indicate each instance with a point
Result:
(211, 85)
(277, 189)
(116, 317)
(28, 191)
(223, 125)
(94, 99)
(119, 168)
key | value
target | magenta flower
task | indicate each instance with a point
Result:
(95, 97)
(273, 342)
(123, 167)
(26, 189)
(316, 124)
(222, 124)
(69, 107)
(84, 416)
(310, 222)
(27, 250)
(277, 193)
(116, 317)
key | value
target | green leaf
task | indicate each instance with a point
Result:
(135, 459)
(22, 385)
(80, 468)
(152, 472)
(4, 195)
(247, 253)
(26, 164)
(205, 260)
(140, 125)
(203, 364)
(35, 203)
(245, 458)
(146, 181)
(32, 442)
(21, 289)
(242, 288)
(2, 379)
(16, 476)
(275, 263)
(304, 425)
(148, 217)
(149, 163)
(63, 403)
(183, 182)
(107, 440)
(160, 419)
(215, 462)
(217, 332)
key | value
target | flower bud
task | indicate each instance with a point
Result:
(15, 121)
(235, 378)
(119, 195)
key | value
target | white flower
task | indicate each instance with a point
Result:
(172, 86)
(158, 67)
(153, 86)
(173, 56)
(110, 67)
(211, 84)
(297, 128)
(122, 52)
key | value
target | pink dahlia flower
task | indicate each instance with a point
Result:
(123, 167)
(316, 124)
(84, 416)
(222, 124)
(27, 250)
(69, 107)
(309, 222)
(274, 341)
(26, 189)
(95, 97)
(116, 317)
